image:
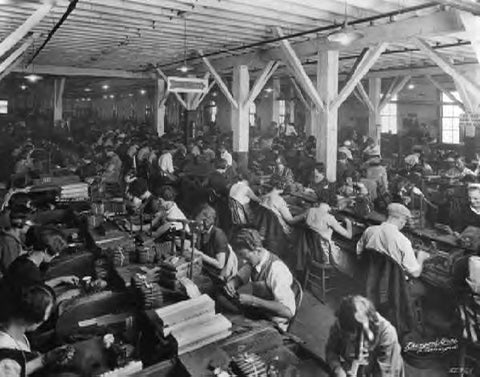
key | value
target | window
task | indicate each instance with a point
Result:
(388, 117)
(3, 106)
(251, 114)
(212, 110)
(281, 112)
(450, 119)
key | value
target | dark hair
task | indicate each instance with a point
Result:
(247, 238)
(138, 187)
(278, 183)
(221, 164)
(46, 238)
(352, 305)
(320, 167)
(31, 303)
(207, 213)
(167, 193)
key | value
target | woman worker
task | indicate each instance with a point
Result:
(23, 313)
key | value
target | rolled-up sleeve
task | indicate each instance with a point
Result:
(280, 280)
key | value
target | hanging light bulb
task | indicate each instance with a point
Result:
(184, 68)
(23, 87)
(346, 34)
(33, 78)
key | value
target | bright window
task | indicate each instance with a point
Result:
(389, 117)
(251, 114)
(281, 112)
(450, 119)
(3, 106)
(212, 111)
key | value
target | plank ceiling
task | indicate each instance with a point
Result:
(136, 34)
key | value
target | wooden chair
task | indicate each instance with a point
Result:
(319, 279)
(317, 273)
(298, 291)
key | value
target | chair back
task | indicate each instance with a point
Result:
(386, 286)
(298, 292)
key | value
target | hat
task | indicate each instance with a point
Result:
(398, 210)
(450, 159)
(347, 143)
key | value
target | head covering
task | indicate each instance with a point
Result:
(398, 210)
(347, 143)
(450, 159)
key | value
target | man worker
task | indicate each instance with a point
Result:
(388, 239)
(270, 278)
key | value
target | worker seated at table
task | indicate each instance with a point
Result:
(46, 244)
(282, 171)
(144, 204)
(21, 314)
(362, 341)
(113, 167)
(388, 239)
(173, 218)
(12, 238)
(470, 215)
(325, 190)
(274, 202)
(458, 170)
(217, 255)
(270, 278)
(325, 224)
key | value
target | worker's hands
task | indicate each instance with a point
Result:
(230, 288)
(59, 356)
(422, 256)
(70, 280)
(339, 372)
(246, 299)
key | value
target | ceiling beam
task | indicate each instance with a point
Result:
(443, 90)
(223, 87)
(24, 28)
(396, 87)
(15, 55)
(417, 71)
(261, 80)
(86, 72)
(307, 105)
(447, 67)
(363, 67)
(469, 6)
(302, 77)
(472, 27)
(436, 24)
(364, 96)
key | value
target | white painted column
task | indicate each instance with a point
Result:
(160, 92)
(240, 124)
(312, 121)
(326, 131)
(291, 110)
(374, 93)
(275, 105)
(58, 87)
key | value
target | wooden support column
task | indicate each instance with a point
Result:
(58, 87)
(312, 121)
(374, 121)
(326, 131)
(161, 96)
(275, 105)
(240, 122)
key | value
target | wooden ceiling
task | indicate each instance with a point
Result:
(135, 35)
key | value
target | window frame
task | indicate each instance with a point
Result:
(389, 118)
(450, 112)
